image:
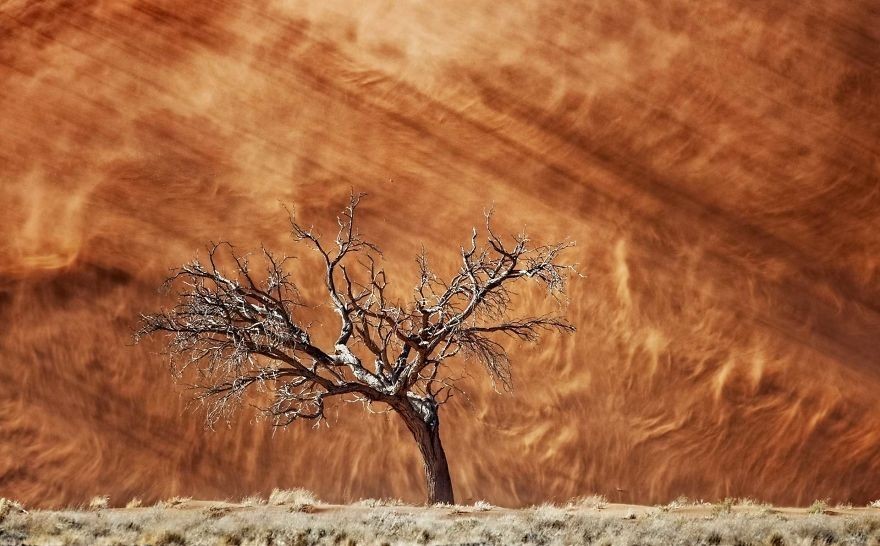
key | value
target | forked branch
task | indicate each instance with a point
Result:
(243, 331)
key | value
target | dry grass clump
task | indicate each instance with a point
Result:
(728, 506)
(459, 509)
(99, 502)
(592, 502)
(253, 500)
(682, 502)
(177, 501)
(548, 512)
(170, 502)
(135, 502)
(214, 512)
(819, 506)
(373, 503)
(170, 538)
(297, 499)
(724, 507)
(8, 506)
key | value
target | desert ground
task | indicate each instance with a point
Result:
(716, 162)
(297, 518)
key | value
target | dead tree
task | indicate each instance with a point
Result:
(245, 332)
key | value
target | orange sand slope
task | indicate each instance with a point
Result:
(717, 162)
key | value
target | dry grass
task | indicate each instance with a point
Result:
(372, 503)
(100, 502)
(584, 521)
(177, 501)
(8, 506)
(253, 500)
(594, 502)
(482, 506)
(819, 506)
(295, 498)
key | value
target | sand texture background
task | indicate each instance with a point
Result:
(717, 162)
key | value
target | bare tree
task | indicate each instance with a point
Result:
(245, 332)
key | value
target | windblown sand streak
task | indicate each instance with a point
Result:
(716, 162)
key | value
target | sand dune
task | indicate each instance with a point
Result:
(717, 163)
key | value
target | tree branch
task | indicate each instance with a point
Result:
(243, 331)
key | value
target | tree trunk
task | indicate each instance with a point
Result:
(427, 435)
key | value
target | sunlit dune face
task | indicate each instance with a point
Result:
(716, 162)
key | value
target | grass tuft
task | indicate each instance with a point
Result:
(9, 506)
(591, 502)
(819, 506)
(99, 502)
(177, 501)
(373, 503)
(171, 538)
(253, 500)
(296, 497)
(482, 506)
